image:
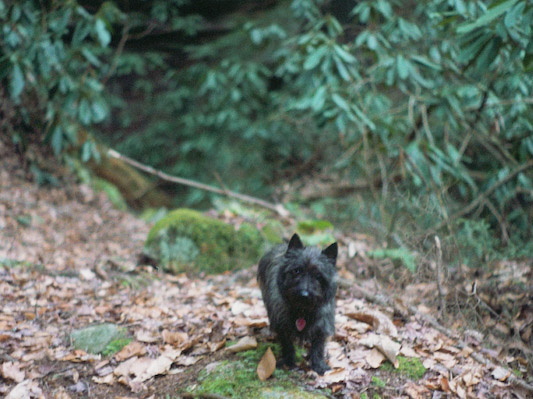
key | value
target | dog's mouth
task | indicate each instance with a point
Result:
(302, 300)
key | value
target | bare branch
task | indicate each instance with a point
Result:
(278, 208)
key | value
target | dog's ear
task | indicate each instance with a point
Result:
(295, 242)
(331, 251)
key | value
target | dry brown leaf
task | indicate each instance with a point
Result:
(107, 379)
(267, 365)
(445, 385)
(78, 356)
(408, 352)
(385, 345)
(61, 393)
(466, 351)
(136, 370)
(449, 361)
(415, 391)
(471, 378)
(374, 358)
(157, 366)
(244, 344)
(134, 348)
(174, 338)
(336, 375)
(12, 371)
(123, 369)
(215, 346)
(379, 321)
(147, 336)
(500, 373)
(187, 360)
(25, 390)
(246, 322)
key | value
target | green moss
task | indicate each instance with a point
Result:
(410, 367)
(255, 355)
(115, 346)
(187, 240)
(113, 193)
(238, 379)
(13, 263)
(378, 382)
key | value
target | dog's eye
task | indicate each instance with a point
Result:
(297, 271)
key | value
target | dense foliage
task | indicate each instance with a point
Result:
(426, 105)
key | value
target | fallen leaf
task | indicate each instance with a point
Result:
(500, 373)
(12, 371)
(385, 345)
(255, 323)
(174, 338)
(416, 391)
(134, 348)
(61, 393)
(374, 358)
(379, 321)
(445, 384)
(157, 366)
(449, 361)
(408, 352)
(108, 379)
(244, 344)
(471, 378)
(466, 351)
(24, 390)
(267, 365)
(335, 376)
(147, 336)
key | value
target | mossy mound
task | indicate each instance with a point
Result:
(188, 241)
(237, 378)
(412, 368)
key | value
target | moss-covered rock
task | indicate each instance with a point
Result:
(104, 338)
(187, 240)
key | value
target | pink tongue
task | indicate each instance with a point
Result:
(300, 324)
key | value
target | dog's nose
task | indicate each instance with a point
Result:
(304, 293)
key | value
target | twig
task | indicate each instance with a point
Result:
(439, 275)
(278, 208)
(118, 53)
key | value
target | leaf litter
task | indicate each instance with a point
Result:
(69, 267)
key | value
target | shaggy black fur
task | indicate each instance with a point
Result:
(298, 285)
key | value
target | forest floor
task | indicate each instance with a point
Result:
(69, 260)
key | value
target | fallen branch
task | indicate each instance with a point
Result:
(384, 300)
(278, 208)
(439, 276)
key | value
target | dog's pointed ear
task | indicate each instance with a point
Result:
(331, 251)
(295, 242)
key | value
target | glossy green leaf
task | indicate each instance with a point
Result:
(403, 67)
(341, 102)
(315, 58)
(103, 35)
(16, 83)
(488, 17)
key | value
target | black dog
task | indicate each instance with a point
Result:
(298, 285)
